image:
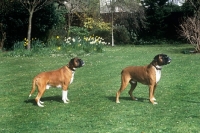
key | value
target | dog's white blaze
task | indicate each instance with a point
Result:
(72, 78)
(158, 74)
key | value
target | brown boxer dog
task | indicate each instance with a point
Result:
(60, 78)
(148, 75)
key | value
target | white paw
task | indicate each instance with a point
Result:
(117, 102)
(155, 103)
(65, 101)
(154, 99)
(41, 102)
(40, 105)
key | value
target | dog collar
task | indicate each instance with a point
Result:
(72, 69)
(157, 68)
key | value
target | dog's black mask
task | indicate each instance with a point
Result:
(76, 63)
(81, 63)
(166, 59)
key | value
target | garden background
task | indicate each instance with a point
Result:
(108, 38)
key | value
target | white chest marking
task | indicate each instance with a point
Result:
(158, 74)
(72, 78)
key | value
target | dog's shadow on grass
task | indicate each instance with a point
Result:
(43, 99)
(190, 101)
(112, 98)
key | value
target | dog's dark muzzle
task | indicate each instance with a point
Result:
(81, 63)
(168, 60)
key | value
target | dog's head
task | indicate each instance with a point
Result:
(76, 63)
(162, 59)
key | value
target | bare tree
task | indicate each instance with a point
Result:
(33, 6)
(190, 26)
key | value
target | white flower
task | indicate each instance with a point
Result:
(73, 40)
(93, 42)
(104, 43)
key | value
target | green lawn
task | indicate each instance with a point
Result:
(92, 94)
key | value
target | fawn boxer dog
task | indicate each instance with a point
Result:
(148, 75)
(60, 78)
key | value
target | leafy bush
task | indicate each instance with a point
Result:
(88, 44)
(121, 35)
(98, 28)
(102, 33)
(19, 50)
(78, 31)
(57, 46)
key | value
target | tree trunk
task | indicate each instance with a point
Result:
(69, 24)
(112, 30)
(29, 29)
(2, 40)
(3, 34)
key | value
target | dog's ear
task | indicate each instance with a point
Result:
(156, 57)
(156, 60)
(71, 63)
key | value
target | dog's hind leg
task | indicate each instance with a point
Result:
(133, 85)
(37, 99)
(124, 83)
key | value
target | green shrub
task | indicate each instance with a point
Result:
(121, 35)
(78, 31)
(19, 50)
(58, 46)
(105, 34)
(88, 44)
(98, 28)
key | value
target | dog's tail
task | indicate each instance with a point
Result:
(33, 87)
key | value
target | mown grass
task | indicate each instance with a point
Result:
(92, 94)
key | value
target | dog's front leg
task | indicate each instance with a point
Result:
(151, 94)
(64, 96)
(154, 92)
